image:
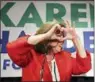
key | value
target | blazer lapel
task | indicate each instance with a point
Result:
(47, 74)
(60, 65)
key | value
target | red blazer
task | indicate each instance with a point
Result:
(24, 55)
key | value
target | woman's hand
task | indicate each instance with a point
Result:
(72, 35)
(70, 32)
(51, 34)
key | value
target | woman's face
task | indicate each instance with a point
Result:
(56, 46)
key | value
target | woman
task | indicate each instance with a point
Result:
(42, 58)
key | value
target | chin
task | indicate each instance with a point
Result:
(58, 50)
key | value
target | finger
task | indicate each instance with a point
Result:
(67, 26)
(73, 26)
(62, 29)
(65, 38)
(65, 29)
(54, 27)
(58, 29)
(56, 38)
(61, 39)
(57, 26)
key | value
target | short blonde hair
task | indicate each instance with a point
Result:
(46, 27)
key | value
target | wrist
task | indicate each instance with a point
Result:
(29, 40)
(47, 36)
(76, 40)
